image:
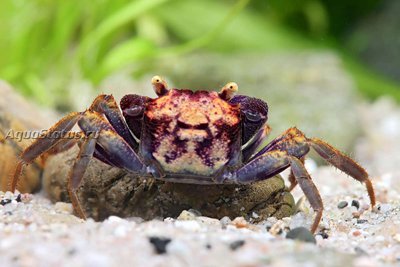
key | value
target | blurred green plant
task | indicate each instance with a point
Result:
(44, 44)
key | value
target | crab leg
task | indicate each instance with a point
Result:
(105, 104)
(78, 170)
(260, 136)
(288, 150)
(44, 143)
(114, 149)
(310, 190)
(69, 140)
(292, 179)
(343, 163)
(272, 163)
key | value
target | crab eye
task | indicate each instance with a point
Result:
(133, 111)
(252, 116)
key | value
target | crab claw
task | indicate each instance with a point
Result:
(159, 85)
(228, 91)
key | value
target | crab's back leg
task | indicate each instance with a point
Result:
(86, 151)
(297, 144)
(292, 179)
(288, 150)
(107, 105)
(45, 143)
(310, 190)
(272, 163)
(343, 163)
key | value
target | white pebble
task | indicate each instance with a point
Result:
(64, 207)
(188, 225)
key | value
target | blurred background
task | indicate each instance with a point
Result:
(320, 64)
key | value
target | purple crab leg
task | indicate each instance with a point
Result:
(260, 136)
(288, 150)
(272, 163)
(114, 148)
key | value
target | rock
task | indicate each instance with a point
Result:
(160, 244)
(302, 234)
(109, 191)
(342, 204)
(186, 216)
(236, 244)
(355, 203)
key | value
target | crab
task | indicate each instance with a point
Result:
(192, 137)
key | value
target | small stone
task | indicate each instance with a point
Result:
(360, 251)
(114, 219)
(356, 214)
(236, 244)
(25, 198)
(397, 237)
(240, 222)
(8, 195)
(188, 225)
(356, 233)
(324, 235)
(159, 244)
(186, 215)
(342, 204)
(365, 207)
(208, 221)
(277, 228)
(64, 207)
(385, 208)
(355, 203)
(4, 202)
(225, 221)
(195, 212)
(302, 234)
(360, 221)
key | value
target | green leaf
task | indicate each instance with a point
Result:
(126, 14)
(125, 54)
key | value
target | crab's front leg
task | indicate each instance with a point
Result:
(106, 104)
(288, 150)
(97, 132)
(251, 148)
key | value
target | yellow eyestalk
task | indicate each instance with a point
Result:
(159, 85)
(228, 91)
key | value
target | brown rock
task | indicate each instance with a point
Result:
(111, 191)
